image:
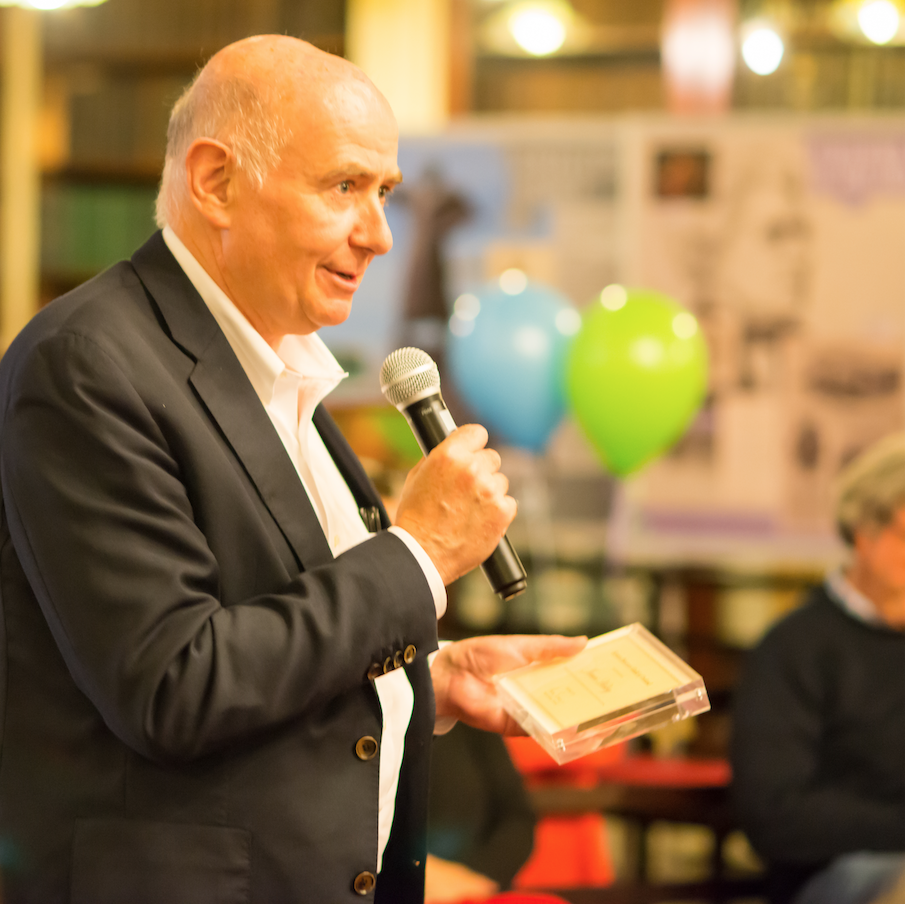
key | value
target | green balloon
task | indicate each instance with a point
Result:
(636, 375)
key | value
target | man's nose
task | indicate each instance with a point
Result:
(373, 231)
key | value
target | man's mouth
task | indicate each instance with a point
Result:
(347, 277)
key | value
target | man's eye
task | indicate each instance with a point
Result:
(385, 192)
(345, 186)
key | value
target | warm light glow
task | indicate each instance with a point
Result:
(465, 311)
(614, 297)
(531, 342)
(513, 282)
(684, 325)
(647, 351)
(537, 29)
(50, 4)
(459, 327)
(879, 20)
(568, 321)
(762, 50)
(467, 306)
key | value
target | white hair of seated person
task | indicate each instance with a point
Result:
(871, 489)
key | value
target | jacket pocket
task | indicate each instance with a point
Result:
(123, 861)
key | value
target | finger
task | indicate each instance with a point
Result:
(493, 654)
(413, 471)
(549, 646)
(499, 485)
(511, 509)
(492, 459)
(470, 437)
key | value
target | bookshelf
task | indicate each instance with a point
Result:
(111, 76)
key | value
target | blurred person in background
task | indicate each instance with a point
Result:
(480, 824)
(818, 748)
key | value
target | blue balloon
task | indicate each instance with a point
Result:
(506, 351)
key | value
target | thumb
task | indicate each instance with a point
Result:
(550, 646)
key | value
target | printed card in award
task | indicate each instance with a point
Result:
(623, 684)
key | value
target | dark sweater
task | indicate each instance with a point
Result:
(479, 813)
(818, 747)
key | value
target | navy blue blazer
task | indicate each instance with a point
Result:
(185, 666)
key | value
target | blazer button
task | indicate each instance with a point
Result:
(375, 671)
(388, 665)
(409, 654)
(364, 882)
(366, 748)
(398, 659)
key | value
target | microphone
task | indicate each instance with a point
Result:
(410, 381)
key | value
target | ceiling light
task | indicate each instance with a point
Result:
(879, 20)
(762, 50)
(537, 31)
(535, 28)
(50, 4)
(539, 28)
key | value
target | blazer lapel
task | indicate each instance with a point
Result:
(366, 496)
(220, 382)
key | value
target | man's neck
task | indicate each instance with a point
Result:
(200, 250)
(201, 244)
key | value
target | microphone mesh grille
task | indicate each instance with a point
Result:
(406, 374)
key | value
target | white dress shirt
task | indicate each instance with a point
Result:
(291, 382)
(851, 598)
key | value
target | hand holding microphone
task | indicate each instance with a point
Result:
(455, 501)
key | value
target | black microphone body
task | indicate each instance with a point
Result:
(431, 423)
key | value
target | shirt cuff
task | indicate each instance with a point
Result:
(442, 724)
(435, 582)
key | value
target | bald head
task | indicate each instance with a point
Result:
(252, 96)
(287, 69)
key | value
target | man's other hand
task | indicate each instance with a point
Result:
(463, 671)
(446, 881)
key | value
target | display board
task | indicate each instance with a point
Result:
(784, 235)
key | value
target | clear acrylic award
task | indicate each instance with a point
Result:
(623, 684)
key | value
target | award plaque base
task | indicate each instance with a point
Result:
(623, 684)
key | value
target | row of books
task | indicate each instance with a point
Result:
(86, 228)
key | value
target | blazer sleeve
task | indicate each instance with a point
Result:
(98, 511)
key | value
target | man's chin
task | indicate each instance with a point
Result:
(333, 312)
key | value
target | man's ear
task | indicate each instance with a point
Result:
(210, 171)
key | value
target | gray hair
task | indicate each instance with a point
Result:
(871, 489)
(243, 115)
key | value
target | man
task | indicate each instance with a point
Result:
(215, 679)
(819, 726)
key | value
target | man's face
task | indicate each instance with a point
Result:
(296, 249)
(881, 553)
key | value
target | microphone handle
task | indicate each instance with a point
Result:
(431, 423)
